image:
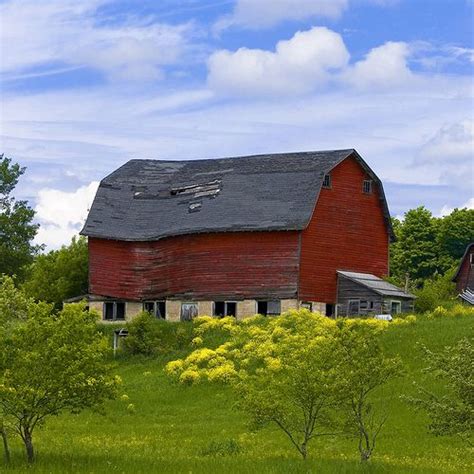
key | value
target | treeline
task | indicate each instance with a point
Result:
(424, 256)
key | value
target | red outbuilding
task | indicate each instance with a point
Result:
(464, 277)
(240, 236)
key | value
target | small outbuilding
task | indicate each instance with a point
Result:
(464, 277)
(367, 294)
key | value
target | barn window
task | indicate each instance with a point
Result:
(114, 311)
(188, 311)
(367, 186)
(156, 308)
(353, 307)
(269, 308)
(225, 308)
(395, 307)
(307, 305)
(327, 181)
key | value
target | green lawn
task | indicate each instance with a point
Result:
(171, 427)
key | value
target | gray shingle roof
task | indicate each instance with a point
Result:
(152, 199)
(376, 284)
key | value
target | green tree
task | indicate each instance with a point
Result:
(365, 370)
(17, 230)
(59, 274)
(454, 232)
(50, 364)
(451, 413)
(291, 371)
(416, 252)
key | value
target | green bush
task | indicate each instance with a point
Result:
(150, 336)
(436, 291)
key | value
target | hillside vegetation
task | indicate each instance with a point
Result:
(157, 425)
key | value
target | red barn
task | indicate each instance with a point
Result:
(239, 236)
(464, 277)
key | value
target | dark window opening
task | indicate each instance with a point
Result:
(114, 311)
(225, 308)
(330, 309)
(109, 311)
(367, 186)
(156, 308)
(188, 311)
(353, 308)
(327, 181)
(269, 308)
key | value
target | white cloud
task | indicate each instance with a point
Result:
(61, 214)
(265, 13)
(298, 65)
(384, 66)
(67, 33)
(446, 210)
(305, 62)
(257, 14)
(449, 154)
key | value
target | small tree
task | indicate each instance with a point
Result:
(50, 364)
(59, 274)
(289, 371)
(365, 369)
(453, 412)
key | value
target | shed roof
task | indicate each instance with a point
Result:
(376, 284)
(152, 199)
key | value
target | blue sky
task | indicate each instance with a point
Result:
(87, 85)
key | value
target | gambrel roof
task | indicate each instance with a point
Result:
(151, 199)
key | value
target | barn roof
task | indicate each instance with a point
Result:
(376, 284)
(152, 199)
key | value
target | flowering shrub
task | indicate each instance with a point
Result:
(295, 370)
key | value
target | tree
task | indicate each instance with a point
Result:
(291, 371)
(365, 369)
(454, 232)
(50, 364)
(59, 274)
(451, 413)
(415, 252)
(16, 228)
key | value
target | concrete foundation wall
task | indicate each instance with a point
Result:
(245, 308)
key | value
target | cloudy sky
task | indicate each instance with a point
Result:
(87, 85)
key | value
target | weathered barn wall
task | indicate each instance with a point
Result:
(225, 266)
(347, 232)
(465, 275)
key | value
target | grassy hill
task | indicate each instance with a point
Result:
(158, 426)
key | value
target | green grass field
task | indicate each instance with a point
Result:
(171, 428)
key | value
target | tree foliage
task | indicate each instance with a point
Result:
(17, 230)
(59, 274)
(50, 364)
(452, 412)
(427, 246)
(296, 372)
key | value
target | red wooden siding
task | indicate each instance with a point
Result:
(347, 232)
(465, 276)
(202, 266)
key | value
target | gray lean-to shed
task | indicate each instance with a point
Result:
(363, 293)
